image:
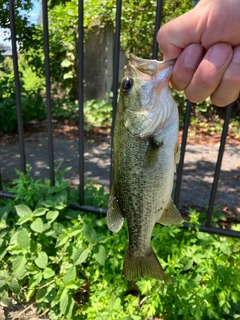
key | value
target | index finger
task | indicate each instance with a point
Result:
(177, 34)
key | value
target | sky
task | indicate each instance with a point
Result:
(33, 17)
(34, 13)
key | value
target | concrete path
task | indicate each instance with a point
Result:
(197, 176)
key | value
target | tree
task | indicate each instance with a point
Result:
(138, 20)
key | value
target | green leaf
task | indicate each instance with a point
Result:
(52, 215)
(48, 203)
(66, 306)
(3, 277)
(224, 247)
(41, 260)
(73, 286)
(7, 301)
(197, 279)
(75, 230)
(89, 233)
(37, 225)
(114, 303)
(197, 258)
(2, 281)
(24, 219)
(61, 198)
(58, 228)
(62, 239)
(100, 255)
(235, 227)
(70, 275)
(41, 295)
(3, 224)
(23, 210)
(40, 212)
(18, 264)
(48, 273)
(4, 211)
(35, 280)
(81, 256)
(14, 286)
(66, 63)
(188, 265)
(60, 206)
(23, 239)
(68, 75)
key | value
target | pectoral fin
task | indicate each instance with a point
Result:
(115, 217)
(170, 215)
(151, 154)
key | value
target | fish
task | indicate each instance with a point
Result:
(145, 154)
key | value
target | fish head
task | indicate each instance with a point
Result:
(145, 96)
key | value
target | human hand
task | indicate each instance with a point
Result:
(206, 43)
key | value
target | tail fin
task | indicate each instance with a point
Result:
(135, 267)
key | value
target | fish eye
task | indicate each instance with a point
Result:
(127, 84)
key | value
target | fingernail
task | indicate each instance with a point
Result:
(219, 54)
(192, 56)
(236, 57)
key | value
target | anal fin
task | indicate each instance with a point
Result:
(170, 215)
(115, 216)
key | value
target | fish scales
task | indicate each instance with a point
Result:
(145, 150)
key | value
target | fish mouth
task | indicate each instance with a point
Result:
(150, 67)
(154, 105)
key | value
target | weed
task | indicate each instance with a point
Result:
(70, 263)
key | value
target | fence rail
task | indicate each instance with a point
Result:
(205, 228)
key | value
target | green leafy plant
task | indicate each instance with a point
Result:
(32, 101)
(216, 217)
(97, 114)
(70, 265)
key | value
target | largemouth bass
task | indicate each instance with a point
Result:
(145, 153)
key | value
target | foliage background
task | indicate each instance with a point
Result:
(70, 264)
(137, 31)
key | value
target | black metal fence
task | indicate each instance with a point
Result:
(206, 228)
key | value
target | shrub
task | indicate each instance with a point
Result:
(69, 263)
(32, 102)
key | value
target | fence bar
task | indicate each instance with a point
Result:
(81, 99)
(1, 186)
(87, 208)
(48, 90)
(5, 194)
(17, 87)
(116, 60)
(157, 26)
(213, 230)
(183, 149)
(218, 165)
(115, 75)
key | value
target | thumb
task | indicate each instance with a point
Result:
(177, 34)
